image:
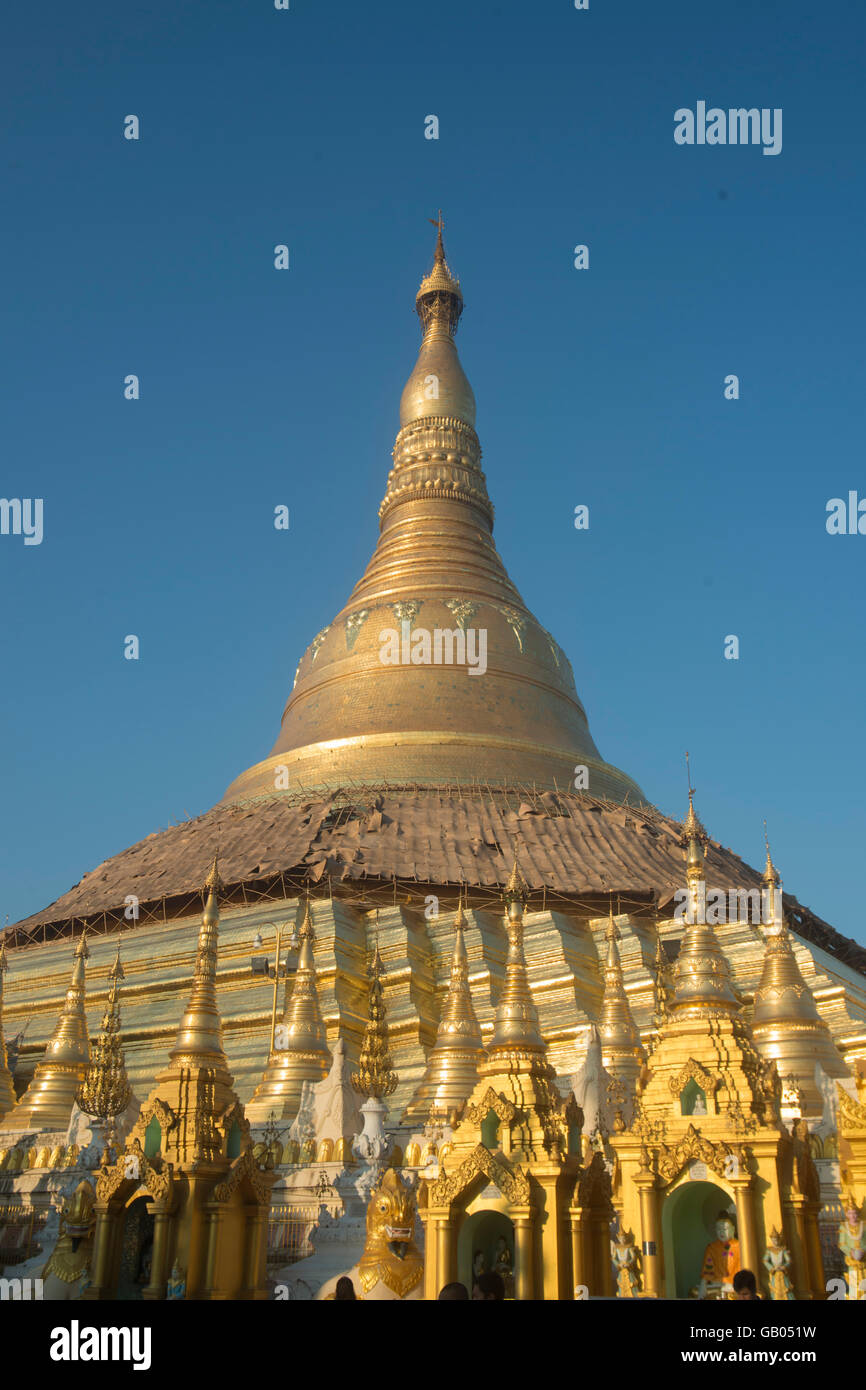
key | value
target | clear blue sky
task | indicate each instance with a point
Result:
(259, 387)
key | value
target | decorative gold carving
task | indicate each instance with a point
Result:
(490, 1101)
(671, 1161)
(463, 611)
(244, 1168)
(512, 1182)
(516, 621)
(694, 1071)
(354, 623)
(317, 642)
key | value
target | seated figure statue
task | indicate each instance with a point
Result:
(721, 1260)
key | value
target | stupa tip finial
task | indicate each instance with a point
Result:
(116, 971)
(516, 887)
(771, 873)
(439, 224)
(82, 948)
(213, 879)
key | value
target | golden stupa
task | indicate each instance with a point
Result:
(400, 802)
(48, 1100)
(351, 718)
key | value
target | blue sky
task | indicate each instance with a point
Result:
(258, 387)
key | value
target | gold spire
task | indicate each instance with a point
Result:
(7, 1087)
(452, 1066)
(105, 1092)
(786, 1024)
(435, 567)
(622, 1053)
(47, 1102)
(374, 1076)
(516, 1033)
(197, 1083)
(200, 1031)
(772, 882)
(300, 1051)
(702, 976)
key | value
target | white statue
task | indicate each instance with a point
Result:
(336, 1113)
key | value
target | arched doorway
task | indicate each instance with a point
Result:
(688, 1225)
(136, 1249)
(483, 1233)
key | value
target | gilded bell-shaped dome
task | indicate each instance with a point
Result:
(378, 696)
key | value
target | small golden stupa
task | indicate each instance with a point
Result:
(47, 1103)
(786, 1024)
(453, 1062)
(299, 1050)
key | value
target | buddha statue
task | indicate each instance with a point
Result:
(721, 1260)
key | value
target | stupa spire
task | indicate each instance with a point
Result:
(452, 1066)
(197, 1083)
(7, 1087)
(622, 1053)
(105, 1092)
(47, 1102)
(786, 1024)
(374, 1077)
(200, 1031)
(300, 1047)
(516, 1032)
(702, 976)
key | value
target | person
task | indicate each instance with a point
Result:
(489, 1286)
(345, 1288)
(745, 1286)
(453, 1293)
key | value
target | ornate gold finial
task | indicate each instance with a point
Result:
(516, 888)
(439, 224)
(105, 1091)
(374, 1076)
(213, 882)
(439, 302)
(771, 875)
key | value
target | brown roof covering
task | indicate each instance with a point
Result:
(571, 846)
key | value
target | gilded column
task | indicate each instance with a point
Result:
(443, 1253)
(524, 1273)
(581, 1267)
(256, 1226)
(159, 1261)
(750, 1257)
(653, 1265)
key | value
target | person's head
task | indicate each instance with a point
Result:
(345, 1288)
(725, 1228)
(852, 1214)
(745, 1284)
(453, 1293)
(490, 1286)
